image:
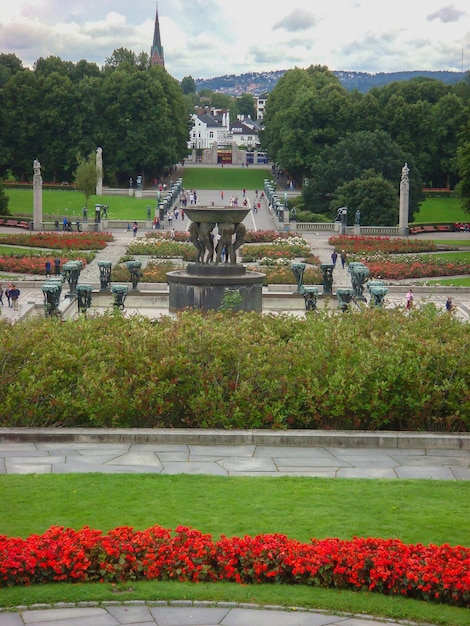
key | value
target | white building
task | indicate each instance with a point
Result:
(209, 128)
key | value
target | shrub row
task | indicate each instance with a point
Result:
(379, 369)
(388, 566)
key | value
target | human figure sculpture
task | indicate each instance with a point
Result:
(206, 242)
(404, 174)
(240, 232)
(357, 219)
(328, 281)
(226, 232)
(36, 167)
(298, 270)
(200, 235)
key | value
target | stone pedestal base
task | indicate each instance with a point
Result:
(131, 193)
(138, 193)
(357, 229)
(203, 287)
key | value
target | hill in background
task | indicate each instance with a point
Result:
(258, 83)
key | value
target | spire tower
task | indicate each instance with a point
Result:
(156, 52)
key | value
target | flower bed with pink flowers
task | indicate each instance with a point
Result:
(58, 241)
(388, 566)
(385, 245)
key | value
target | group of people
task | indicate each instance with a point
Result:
(12, 294)
(343, 256)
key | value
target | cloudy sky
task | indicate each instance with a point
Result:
(207, 38)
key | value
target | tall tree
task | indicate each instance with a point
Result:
(188, 85)
(374, 197)
(463, 167)
(85, 176)
(349, 158)
(246, 105)
(307, 110)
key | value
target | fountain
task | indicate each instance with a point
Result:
(203, 284)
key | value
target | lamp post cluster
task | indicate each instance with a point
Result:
(273, 200)
(164, 204)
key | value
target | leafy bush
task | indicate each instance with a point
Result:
(378, 370)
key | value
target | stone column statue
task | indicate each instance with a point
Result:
(37, 195)
(99, 171)
(404, 201)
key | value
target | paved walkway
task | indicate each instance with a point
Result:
(179, 614)
(392, 456)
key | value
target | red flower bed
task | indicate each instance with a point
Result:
(387, 245)
(59, 241)
(432, 573)
(31, 264)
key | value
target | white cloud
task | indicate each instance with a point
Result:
(205, 38)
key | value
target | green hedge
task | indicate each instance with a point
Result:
(375, 370)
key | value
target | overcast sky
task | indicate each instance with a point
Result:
(207, 38)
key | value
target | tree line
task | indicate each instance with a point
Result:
(345, 148)
(60, 112)
(348, 148)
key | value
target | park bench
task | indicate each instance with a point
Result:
(443, 228)
(11, 223)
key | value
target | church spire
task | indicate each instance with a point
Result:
(156, 52)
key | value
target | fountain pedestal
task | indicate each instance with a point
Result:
(204, 284)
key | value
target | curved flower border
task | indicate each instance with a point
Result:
(388, 566)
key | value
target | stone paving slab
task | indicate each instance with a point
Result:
(141, 614)
(234, 460)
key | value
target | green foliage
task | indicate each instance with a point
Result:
(372, 195)
(252, 373)
(231, 301)
(86, 175)
(188, 85)
(356, 156)
(4, 201)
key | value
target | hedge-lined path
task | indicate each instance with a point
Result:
(236, 453)
(182, 613)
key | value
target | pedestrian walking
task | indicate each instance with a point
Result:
(409, 299)
(135, 228)
(344, 257)
(172, 234)
(57, 266)
(1, 295)
(334, 257)
(7, 295)
(48, 268)
(14, 295)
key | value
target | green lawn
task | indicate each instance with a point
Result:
(225, 178)
(413, 511)
(441, 210)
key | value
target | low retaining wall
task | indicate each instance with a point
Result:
(305, 438)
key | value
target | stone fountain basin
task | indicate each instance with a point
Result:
(216, 215)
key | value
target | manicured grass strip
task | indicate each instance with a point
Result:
(363, 602)
(459, 243)
(441, 210)
(302, 508)
(457, 282)
(225, 178)
(70, 204)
